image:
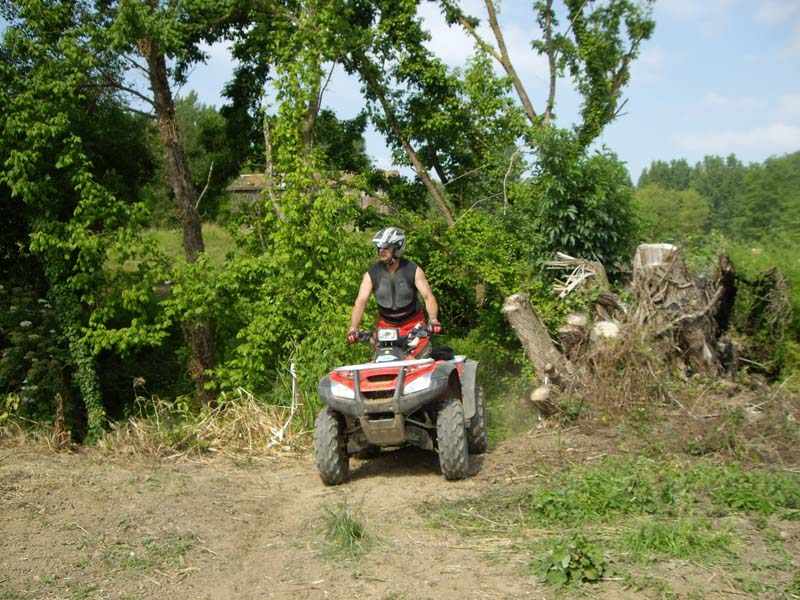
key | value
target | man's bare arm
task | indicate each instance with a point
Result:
(360, 304)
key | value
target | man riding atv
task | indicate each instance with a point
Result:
(395, 282)
(408, 393)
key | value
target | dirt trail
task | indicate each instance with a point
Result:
(87, 526)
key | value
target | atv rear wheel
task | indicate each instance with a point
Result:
(477, 440)
(451, 437)
(330, 447)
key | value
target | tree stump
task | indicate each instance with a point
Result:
(573, 334)
(672, 304)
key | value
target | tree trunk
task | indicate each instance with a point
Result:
(197, 334)
(367, 71)
(85, 375)
(534, 336)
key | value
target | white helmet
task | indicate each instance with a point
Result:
(391, 236)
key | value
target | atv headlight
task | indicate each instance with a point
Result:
(388, 335)
(420, 383)
(340, 390)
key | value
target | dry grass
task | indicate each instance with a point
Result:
(239, 425)
(21, 431)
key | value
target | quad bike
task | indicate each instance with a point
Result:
(399, 399)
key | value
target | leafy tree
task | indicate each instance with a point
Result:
(157, 32)
(403, 82)
(212, 159)
(580, 203)
(721, 181)
(491, 159)
(770, 204)
(671, 215)
(73, 224)
(672, 175)
(596, 48)
(342, 142)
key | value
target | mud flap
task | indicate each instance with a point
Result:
(468, 381)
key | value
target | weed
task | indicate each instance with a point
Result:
(727, 437)
(573, 560)
(590, 495)
(346, 536)
(761, 492)
(570, 409)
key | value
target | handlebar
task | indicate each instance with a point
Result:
(419, 331)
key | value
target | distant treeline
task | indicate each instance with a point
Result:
(754, 202)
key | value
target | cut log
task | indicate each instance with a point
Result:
(533, 335)
(540, 399)
(573, 335)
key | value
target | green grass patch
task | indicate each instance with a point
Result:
(346, 535)
(574, 523)
(218, 242)
(693, 538)
(617, 488)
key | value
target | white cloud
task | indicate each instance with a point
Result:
(454, 46)
(692, 9)
(735, 103)
(648, 66)
(791, 49)
(789, 107)
(777, 11)
(772, 139)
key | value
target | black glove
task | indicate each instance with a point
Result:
(434, 327)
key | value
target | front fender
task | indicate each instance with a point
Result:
(469, 375)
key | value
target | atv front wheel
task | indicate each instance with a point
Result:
(452, 440)
(477, 440)
(330, 447)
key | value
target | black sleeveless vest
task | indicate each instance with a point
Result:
(396, 292)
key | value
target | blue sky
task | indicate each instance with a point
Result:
(717, 77)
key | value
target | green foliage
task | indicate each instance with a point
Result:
(770, 201)
(606, 38)
(35, 359)
(624, 487)
(767, 305)
(593, 495)
(342, 142)
(671, 216)
(748, 203)
(573, 560)
(213, 161)
(760, 492)
(722, 182)
(674, 175)
(580, 204)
